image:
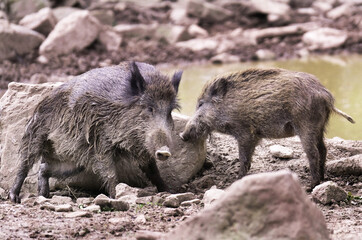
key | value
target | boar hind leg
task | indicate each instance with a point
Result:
(154, 176)
(43, 180)
(322, 155)
(311, 146)
(20, 177)
(246, 150)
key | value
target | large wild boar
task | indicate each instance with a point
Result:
(97, 122)
(270, 103)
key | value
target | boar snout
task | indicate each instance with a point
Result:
(163, 153)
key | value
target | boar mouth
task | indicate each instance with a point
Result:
(163, 153)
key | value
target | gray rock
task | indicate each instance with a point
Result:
(324, 38)
(207, 11)
(41, 200)
(63, 208)
(119, 205)
(281, 151)
(102, 200)
(171, 201)
(190, 202)
(136, 31)
(60, 200)
(104, 16)
(195, 31)
(199, 44)
(179, 16)
(148, 235)
(271, 6)
(21, 8)
(3, 194)
(171, 33)
(140, 219)
(84, 201)
(38, 78)
(130, 199)
(47, 206)
(78, 214)
(184, 196)
(123, 189)
(172, 212)
(18, 103)
(212, 195)
(72, 33)
(110, 39)
(3, 15)
(328, 192)
(93, 208)
(265, 55)
(62, 12)
(17, 39)
(342, 10)
(346, 166)
(42, 21)
(118, 220)
(260, 206)
(322, 6)
(144, 200)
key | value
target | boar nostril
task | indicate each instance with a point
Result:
(163, 153)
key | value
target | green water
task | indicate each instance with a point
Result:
(341, 75)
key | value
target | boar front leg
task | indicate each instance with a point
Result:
(154, 176)
(246, 147)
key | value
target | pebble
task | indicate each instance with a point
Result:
(64, 208)
(279, 151)
(78, 214)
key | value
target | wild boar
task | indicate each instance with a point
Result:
(97, 122)
(266, 103)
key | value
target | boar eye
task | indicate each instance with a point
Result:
(150, 109)
(200, 104)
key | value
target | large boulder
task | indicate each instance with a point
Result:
(74, 32)
(260, 206)
(17, 39)
(16, 107)
(42, 21)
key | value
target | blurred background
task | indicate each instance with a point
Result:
(51, 41)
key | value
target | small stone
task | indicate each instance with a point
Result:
(346, 166)
(328, 192)
(184, 196)
(117, 220)
(172, 212)
(224, 58)
(279, 151)
(102, 200)
(191, 202)
(84, 201)
(264, 54)
(123, 189)
(61, 200)
(144, 200)
(3, 194)
(78, 214)
(212, 195)
(171, 201)
(41, 200)
(93, 208)
(140, 219)
(64, 208)
(130, 199)
(119, 205)
(148, 235)
(47, 206)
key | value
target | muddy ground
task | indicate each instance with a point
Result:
(26, 221)
(343, 219)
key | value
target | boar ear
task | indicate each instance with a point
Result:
(138, 83)
(176, 79)
(219, 88)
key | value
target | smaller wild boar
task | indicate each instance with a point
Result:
(103, 122)
(266, 103)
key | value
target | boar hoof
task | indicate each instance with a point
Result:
(163, 153)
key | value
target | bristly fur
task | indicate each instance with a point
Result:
(266, 103)
(97, 116)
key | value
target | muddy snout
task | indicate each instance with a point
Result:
(163, 153)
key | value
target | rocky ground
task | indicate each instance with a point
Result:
(245, 32)
(35, 218)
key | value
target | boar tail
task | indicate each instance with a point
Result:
(345, 115)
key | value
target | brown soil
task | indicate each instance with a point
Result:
(343, 219)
